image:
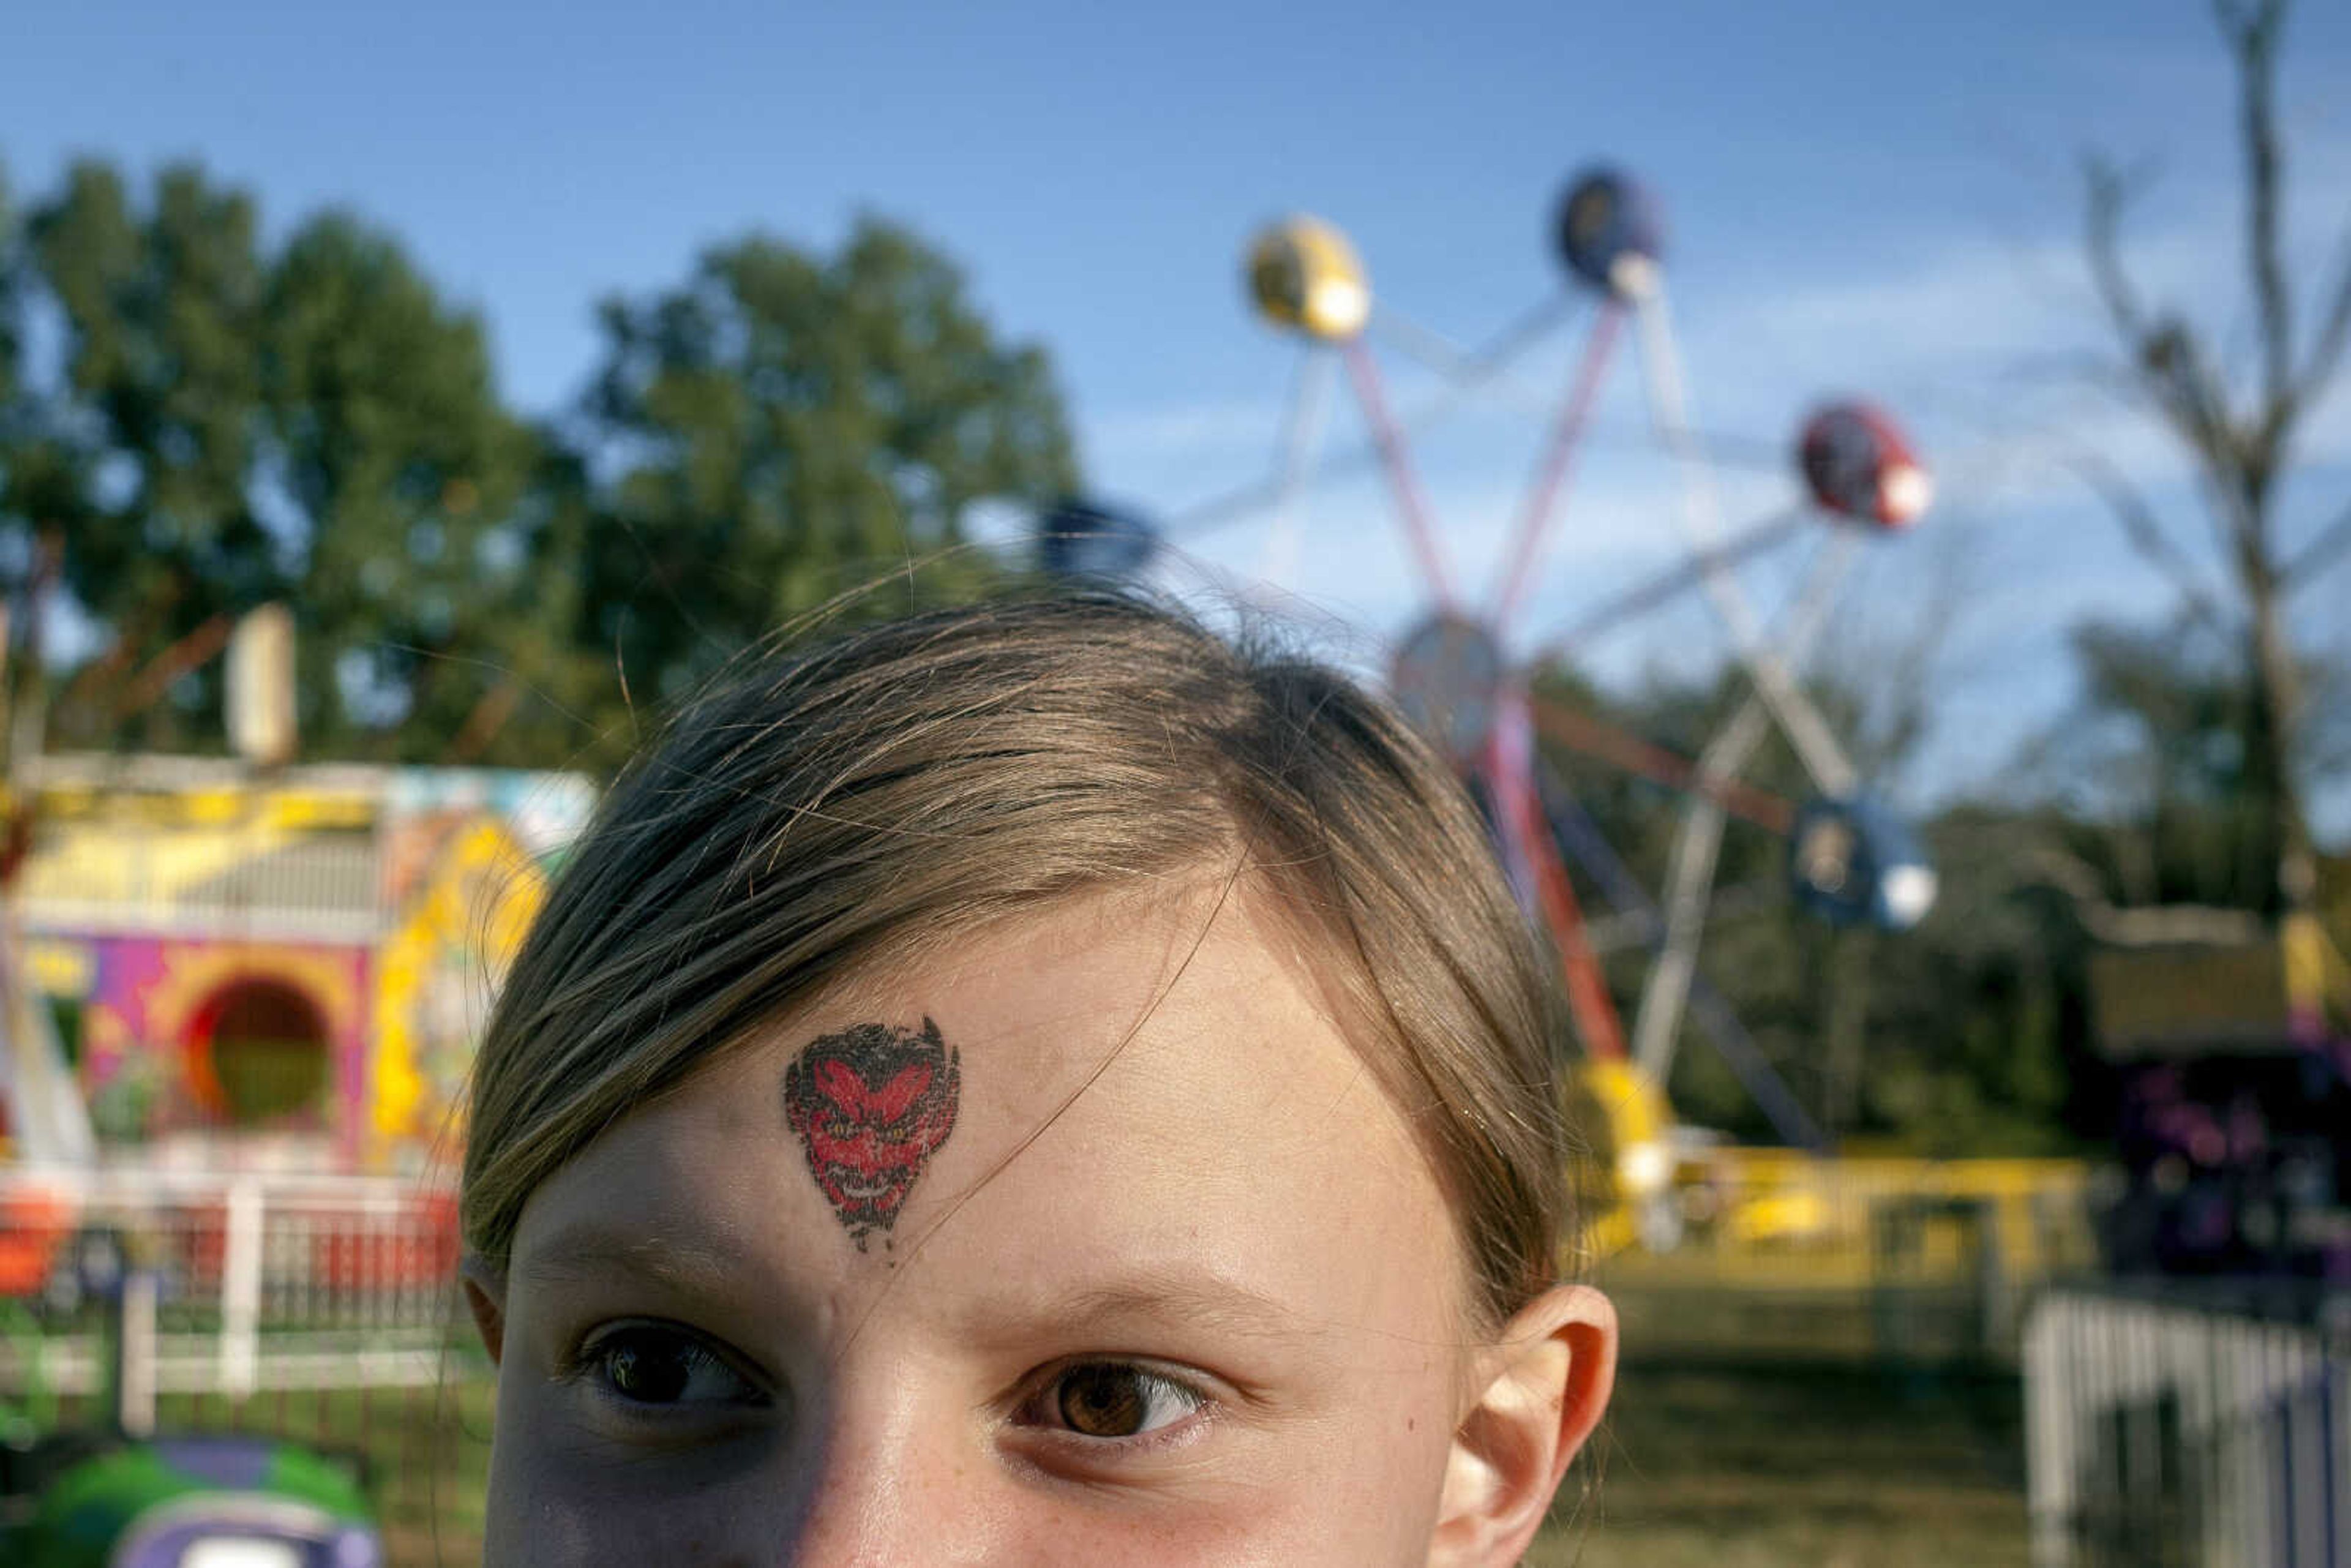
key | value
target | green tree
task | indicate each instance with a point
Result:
(18, 413)
(11, 334)
(230, 421)
(141, 459)
(2152, 816)
(233, 425)
(402, 475)
(784, 426)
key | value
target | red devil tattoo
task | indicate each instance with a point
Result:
(872, 1104)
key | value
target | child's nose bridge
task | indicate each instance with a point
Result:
(895, 1469)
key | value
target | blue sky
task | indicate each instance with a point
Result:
(1876, 199)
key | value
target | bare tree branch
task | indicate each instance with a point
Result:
(2253, 36)
(2109, 189)
(2253, 33)
(2334, 333)
(2189, 391)
(2165, 361)
(2240, 456)
(2333, 542)
(2147, 537)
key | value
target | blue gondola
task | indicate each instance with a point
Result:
(1611, 233)
(1854, 863)
(1086, 539)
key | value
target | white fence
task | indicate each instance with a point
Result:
(2165, 1433)
(260, 1281)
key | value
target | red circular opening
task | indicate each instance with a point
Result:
(259, 1052)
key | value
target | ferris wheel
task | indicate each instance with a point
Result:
(1850, 859)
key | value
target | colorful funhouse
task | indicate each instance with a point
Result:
(281, 970)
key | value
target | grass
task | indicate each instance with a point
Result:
(1760, 1465)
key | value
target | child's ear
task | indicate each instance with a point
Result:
(485, 1294)
(1534, 1397)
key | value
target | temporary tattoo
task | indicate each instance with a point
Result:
(872, 1104)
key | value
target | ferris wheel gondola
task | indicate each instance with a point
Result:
(1859, 465)
(1611, 233)
(1304, 275)
(1855, 862)
(1080, 539)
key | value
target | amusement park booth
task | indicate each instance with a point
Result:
(2233, 1062)
(279, 968)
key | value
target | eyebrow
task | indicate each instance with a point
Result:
(1147, 1299)
(592, 1247)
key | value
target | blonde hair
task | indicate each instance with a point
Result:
(834, 805)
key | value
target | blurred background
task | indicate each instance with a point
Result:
(1866, 499)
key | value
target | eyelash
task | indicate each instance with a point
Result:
(1042, 1408)
(595, 1362)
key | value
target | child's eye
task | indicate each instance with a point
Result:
(1112, 1399)
(654, 1364)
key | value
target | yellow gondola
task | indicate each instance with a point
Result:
(1304, 275)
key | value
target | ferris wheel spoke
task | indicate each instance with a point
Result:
(1646, 759)
(1411, 503)
(1559, 456)
(1508, 770)
(1689, 879)
(1713, 1012)
(1702, 520)
(1302, 443)
(1497, 353)
(1667, 585)
(1467, 372)
(1486, 368)
(1242, 501)
(1690, 870)
(1645, 926)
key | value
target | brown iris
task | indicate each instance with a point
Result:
(1105, 1401)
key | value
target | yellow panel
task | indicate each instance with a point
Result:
(61, 968)
(477, 903)
(79, 802)
(305, 808)
(214, 808)
(101, 861)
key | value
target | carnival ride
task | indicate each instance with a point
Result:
(116, 1494)
(1850, 859)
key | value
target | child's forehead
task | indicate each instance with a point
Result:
(1148, 994)
(1141, 934)
(1118, 1065)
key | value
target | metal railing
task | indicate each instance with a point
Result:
(2164, 1430)
(1911, 1261)
(261, 1281)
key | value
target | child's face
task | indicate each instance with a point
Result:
(855, 1294)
